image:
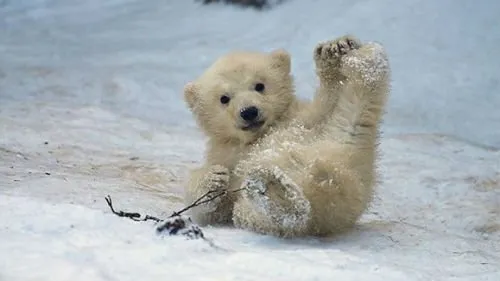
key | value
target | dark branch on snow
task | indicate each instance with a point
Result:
(130, 215)
(177, 224)
(205, 198)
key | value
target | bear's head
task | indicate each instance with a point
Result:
(241, 95)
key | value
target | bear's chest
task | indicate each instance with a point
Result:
(228, 156)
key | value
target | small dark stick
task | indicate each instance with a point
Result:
(205, 198)
(130, 215)
(176, 223)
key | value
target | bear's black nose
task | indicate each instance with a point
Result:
(249, 114)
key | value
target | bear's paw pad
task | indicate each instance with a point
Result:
(336, 48)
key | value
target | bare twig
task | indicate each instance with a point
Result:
(130, 215)
(176, 224)
(205, 198)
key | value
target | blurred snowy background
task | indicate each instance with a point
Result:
(91, 104)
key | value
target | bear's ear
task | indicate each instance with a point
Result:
(281, 59)
(190, 94)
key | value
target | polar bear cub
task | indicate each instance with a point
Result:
(304, 168)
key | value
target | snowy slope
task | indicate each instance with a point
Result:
(90, 104)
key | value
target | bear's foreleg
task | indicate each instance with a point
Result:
(203, 180)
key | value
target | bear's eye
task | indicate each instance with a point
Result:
(259, 87)
(225, 99)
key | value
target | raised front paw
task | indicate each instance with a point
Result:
(327, 55)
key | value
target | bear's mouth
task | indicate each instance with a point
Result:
(253, 126)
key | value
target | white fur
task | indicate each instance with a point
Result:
(310, 169)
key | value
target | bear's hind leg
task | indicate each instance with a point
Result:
(313, 190)
(272, 203)
(363, 96)
(334, 186)
(328, 60)
(354, 84)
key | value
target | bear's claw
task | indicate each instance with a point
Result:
(336, 48)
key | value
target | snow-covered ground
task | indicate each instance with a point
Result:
(90, 105)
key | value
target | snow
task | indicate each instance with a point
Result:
(90, 105)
